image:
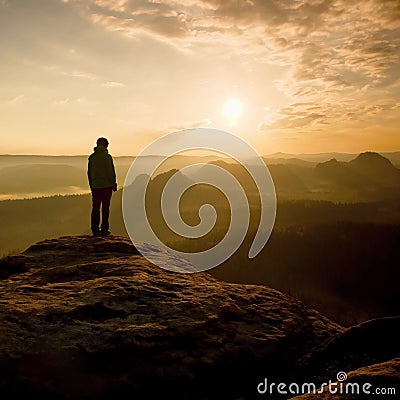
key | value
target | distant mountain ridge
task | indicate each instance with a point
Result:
(367, 171)
(393, 156)
(376, 167)
(41, 177)
(358, 178)
(81, 160)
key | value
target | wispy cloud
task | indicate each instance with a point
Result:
(61, 102)
(20, 98)
(68, 101)
(293, 116)
(189, 125)
(79, 74)
(160, 18)
(315, 63)
(329, 44)
(112, 84)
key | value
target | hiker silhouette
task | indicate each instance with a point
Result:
(102, 182)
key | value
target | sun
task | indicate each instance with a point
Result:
(233, 109)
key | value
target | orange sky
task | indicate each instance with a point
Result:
(294, 76)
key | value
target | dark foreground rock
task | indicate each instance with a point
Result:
(368, 343)
(361, 362)
(90, 318)
(380, 380)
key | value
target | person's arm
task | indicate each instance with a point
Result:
(113, 175)
(89, 173)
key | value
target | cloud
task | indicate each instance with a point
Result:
(15, 100)
(113, 5)
(61, 102)
(293, 121)
(189, 125)
(340, 54)
(133, 18)
(294, 116)
(112, 84)
(321, 39)
(79, 74)
(313, 116)
(67, 101)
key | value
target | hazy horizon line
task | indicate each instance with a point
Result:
(182, 155)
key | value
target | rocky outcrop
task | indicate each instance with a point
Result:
(370, 342)
(365, 357)
(90, 318)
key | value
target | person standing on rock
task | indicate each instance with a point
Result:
(102, 182)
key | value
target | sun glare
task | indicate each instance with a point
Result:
(233, 109)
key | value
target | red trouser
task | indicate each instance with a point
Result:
(101, 198)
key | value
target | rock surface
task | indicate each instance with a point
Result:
(90, 318)
(367, 353)
(370, 342)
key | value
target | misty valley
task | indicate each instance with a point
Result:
(334, 244)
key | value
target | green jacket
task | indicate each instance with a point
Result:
(101, 171)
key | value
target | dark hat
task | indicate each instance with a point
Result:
(101, 140)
